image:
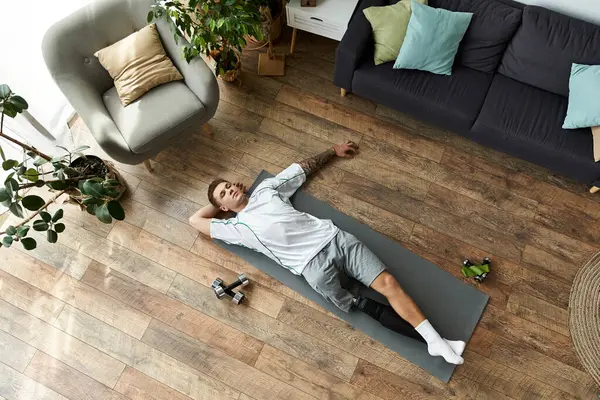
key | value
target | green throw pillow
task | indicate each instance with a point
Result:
(389, 25)
(432, 39)
(584, 97)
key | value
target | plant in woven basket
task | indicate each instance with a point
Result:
(271, 24)
(87, 180)
(215, 28)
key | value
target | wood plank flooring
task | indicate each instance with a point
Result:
(125, 311)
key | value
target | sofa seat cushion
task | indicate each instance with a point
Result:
(452, 102)
(526, 122)
(493, 25)
(156, 117)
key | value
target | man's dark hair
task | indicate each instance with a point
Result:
(211, 191)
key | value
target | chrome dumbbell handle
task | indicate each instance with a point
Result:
(241, 281)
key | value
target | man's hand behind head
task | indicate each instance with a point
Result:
(348, 149)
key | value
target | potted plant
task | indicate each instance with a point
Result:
(215, 28)
(88, 181)
(270, 26)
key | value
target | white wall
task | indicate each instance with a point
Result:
(22, 66)
(588, 10)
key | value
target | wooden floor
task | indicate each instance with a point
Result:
(125, 311)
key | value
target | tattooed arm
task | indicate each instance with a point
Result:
(288, 181)
(312, 164)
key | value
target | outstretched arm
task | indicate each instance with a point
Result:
(313, 164)
(288, 181)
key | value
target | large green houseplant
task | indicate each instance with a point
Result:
(90, 182)
(215, 28)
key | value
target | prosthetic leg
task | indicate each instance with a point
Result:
(387, 317)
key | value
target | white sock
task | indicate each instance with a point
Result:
(458, 346)
(436, 346)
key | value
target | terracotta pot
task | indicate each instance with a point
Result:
(109, 171)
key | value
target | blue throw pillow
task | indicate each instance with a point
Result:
(432, 39)
(584, 97)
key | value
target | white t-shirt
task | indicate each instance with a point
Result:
(270, 224)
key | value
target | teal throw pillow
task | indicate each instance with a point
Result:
(584, 97)
(432, 39)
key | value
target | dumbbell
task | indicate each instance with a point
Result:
(221, 291)
(488, 262)
(216, 286)
(484, 267)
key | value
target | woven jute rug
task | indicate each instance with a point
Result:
(584, 316)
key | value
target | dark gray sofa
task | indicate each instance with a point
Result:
(509, 85)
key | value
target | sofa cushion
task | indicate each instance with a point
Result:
(432, 39)
(452, 102)
(389, 25)
(493, 25)
(156, 117)
(138, 63)
(525, 122)
(584, 97)
(596, 135)
(542, 51)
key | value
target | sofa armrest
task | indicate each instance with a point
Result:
(354, 44)
(82, 80)
(90, 107)
(197, 74)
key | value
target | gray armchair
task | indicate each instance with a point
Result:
(135, 133)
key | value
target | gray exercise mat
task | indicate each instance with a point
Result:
(452, 306)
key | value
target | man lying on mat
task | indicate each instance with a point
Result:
(315, 248)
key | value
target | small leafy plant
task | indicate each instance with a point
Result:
(216, 28)
(87, 180)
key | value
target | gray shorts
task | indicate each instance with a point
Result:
(345, 254)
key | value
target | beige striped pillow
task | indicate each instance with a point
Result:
(596, 136)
